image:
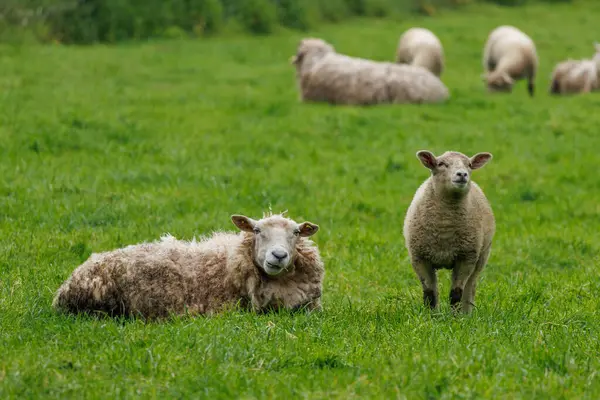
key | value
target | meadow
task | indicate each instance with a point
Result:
(105, 146)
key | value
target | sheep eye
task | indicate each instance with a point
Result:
(442, 164)
(296, 232)
(256, 230)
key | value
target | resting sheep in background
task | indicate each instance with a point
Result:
(420, 47)
(577, 76)
(269, 265)
(326, 76)
(450, 224)
(509, 55)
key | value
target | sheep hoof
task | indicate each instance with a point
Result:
(455, 296)
(429, 298)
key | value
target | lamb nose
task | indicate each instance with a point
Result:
(461, 174)
(279, 254)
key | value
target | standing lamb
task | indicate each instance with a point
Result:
(269, 265)
(509, 55)
(577, 76)
(323, 75)
(450, 224)
(420, 47)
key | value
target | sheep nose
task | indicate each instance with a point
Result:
(461, 174)
(279, 254)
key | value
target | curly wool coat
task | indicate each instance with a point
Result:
(323, 75)
(196, 277)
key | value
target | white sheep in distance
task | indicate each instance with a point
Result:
(270, 264)
(323, 75)
(450, 224)
(421, 47)
(577, 76)
(509, 55)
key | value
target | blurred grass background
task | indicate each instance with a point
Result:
(89, 21)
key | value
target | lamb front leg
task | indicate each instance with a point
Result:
(428, 277)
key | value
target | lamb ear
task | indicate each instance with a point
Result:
(308, 229)
(427, 159)
(507, 78)
(243, 223)
(480, 159)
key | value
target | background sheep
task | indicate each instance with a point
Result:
(577, 76)
(270, 264)
(449, 224)
(324, 75)
(509, 55)
(420, 47)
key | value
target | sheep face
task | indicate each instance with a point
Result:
(275, 240)
(499, 82)
(452, 170)
(310, 48)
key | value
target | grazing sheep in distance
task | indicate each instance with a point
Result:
(509, 55)
(326, 76)
(271, 264)
(577, 76)
(450, 224)
(420, 47)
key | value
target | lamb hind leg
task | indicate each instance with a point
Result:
(461, 273)
(531, 85)
(468, 298)
(530, 88)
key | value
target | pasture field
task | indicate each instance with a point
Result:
(105, 146)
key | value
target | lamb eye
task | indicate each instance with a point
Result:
(442, 164)
(296, 232)
(256, 230)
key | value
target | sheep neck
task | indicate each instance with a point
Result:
(448, 198)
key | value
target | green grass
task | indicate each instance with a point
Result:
(101, 147)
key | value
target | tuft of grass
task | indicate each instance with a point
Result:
(106, 146)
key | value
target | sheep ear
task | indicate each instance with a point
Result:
(480, 159)
(427, 159)
(243, 223)
(308, 229)
(507, 78)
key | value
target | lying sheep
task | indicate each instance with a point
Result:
(269, 265)
(509, 55)
(574, 76)
(420, 47)
(560, 83)
(449, 224)
(577, 76)
(324, 75)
